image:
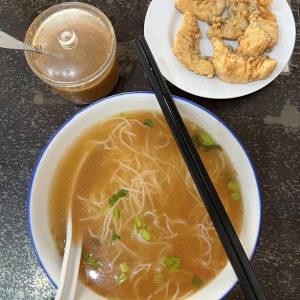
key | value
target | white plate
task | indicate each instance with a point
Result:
(163, 21)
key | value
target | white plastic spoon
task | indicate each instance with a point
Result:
(71, 261)
(9, 42)
(70, 267)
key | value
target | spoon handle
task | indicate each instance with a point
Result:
(9, 42)
(71, 262)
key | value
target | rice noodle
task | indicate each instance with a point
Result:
(132, 253)
(116, 258)
(176, 293)
(92, 234)
(162, 288)
(155, 178)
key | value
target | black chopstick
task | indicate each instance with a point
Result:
(231, 243)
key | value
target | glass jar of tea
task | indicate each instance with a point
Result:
(78, 51)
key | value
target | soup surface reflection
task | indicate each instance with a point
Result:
(146, 233)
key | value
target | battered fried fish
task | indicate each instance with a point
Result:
(265, 20)
(235, 68)
(186, 47)
(261, 35)
(264, 3)
(204, 10)
(235, 24)
(253, 42)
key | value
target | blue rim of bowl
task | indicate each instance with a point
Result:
(128, 93)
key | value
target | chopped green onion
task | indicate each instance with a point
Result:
(115, 237)
(141, 232)
(136, 230)
(122, 278)
(167, 261)
(105, 209)
(117, 213)
(232, 186)
(138, 221)
(207, 139)
(176, 265)
(197, 282)
(158, 278)
(120, 194)
(124, 267)
(95, 264)
(172, 263)
(137, 225)
(196, 140)
(235, 196)
(125, 115)
(207, 148)
(145, 234)
(148, 122)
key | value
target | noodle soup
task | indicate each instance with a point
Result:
(146, 233)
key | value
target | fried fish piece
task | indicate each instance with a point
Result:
(235, 24)
(186, 47)
(235, 68)
(253, 42)
(261, 35)
(266, 21)
(204, 10)
(264, 3)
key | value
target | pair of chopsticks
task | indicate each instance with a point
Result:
(214, 206)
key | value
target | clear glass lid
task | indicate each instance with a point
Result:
(77, 40)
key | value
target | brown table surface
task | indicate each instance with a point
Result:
(267, 123)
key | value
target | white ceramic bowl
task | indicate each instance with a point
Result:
(38, 196)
